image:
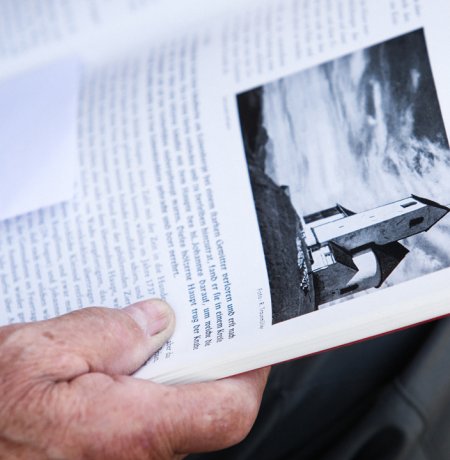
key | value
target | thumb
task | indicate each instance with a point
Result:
(94, 339)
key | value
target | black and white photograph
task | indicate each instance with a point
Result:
(350, 169)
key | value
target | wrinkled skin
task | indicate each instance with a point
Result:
(66, 393)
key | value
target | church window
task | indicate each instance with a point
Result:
(348, 289)
(416, 221)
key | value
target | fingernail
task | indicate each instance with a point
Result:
(153, 316)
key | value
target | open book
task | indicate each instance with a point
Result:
(278, 170)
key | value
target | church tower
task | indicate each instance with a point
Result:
(353, 252)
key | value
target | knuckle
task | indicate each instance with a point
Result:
(35, 353)
(12, 336)
(15, 348)
(224, 419)
(239, 420)
(6, 331)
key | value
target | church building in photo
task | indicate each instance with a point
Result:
(351, 252)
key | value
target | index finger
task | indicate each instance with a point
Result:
(215, 415)
(140, 416)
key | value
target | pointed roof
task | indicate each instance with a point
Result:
(389, 257)
(437, 210)
(345, 211)
(334, 211)
(343, 257)
(431, 203)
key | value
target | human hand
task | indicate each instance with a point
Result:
(65, 392)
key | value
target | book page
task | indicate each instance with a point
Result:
(371, 113)
(35, 32)
(342, 112)
(162, 208)
(343, 109)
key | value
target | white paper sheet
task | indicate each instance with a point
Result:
(38, 125)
